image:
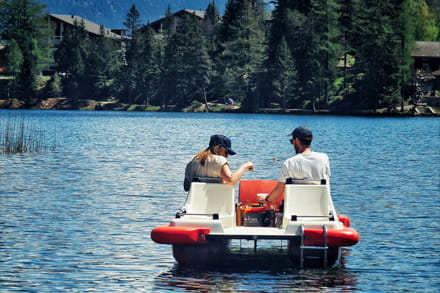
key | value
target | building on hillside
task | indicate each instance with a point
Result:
(60, 22)
(427, 66)
(159, 24)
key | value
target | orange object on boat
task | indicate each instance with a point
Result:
(179, 235)
(254, 209)
(250, 189)
(345, 220)
(335, 237)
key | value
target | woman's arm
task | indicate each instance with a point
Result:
(232, 178)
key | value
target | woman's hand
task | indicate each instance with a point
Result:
(249, 166)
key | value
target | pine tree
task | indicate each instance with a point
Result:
(102, 64)
(14, 61)
(186, 65)
(241, 51)
(131, 79)
(427, 21)
(25, 22)
(283, 77)
(349, 26)
(377, 57)
(71, 58)
(150, 67)
(54, 87)
(312, 37)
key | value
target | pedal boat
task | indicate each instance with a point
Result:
(307, 222)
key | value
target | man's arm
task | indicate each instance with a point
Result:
(275, 194)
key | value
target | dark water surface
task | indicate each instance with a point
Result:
(78, 218)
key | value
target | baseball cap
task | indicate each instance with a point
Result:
(302, 132)
(223, 141)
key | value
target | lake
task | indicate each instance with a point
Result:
(78, 217)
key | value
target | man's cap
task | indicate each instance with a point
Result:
(223, 141)
(302, 132)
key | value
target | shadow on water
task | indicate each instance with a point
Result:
(265, 274)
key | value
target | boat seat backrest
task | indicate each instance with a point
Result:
(212, 198)
(249, 190)
(307, 202)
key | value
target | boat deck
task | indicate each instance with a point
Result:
(252, 233)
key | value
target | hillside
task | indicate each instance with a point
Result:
(112, 13)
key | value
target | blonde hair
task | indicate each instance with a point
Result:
(203, 155)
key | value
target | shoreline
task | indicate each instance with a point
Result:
(422, 110)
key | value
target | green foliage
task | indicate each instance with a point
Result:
(137, 82)
(14, 58)
(14, 62)
(426, 20)
(24, 22)
(102, 65)
(54, 87)
(315, 54)
(283, 77)
(185, 74)
(241, 52)
(71, 57)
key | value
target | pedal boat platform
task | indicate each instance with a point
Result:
(202, 232)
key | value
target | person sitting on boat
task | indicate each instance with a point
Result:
(212, 162)
(305, 165)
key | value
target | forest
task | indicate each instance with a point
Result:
(336, 55)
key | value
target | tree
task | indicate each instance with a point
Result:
(54, 87)
(133, 21)
(186, 65)
(150, 66)
(25, 22)
(426, 21)
(132, 69)
(349, 26)
(283, 76)
(312, 38)
(14, 62)
(71, 58)
(102, 64)
(377, 57)
(241, 50)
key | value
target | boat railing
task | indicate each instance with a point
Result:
(208, 179)
(303, 181)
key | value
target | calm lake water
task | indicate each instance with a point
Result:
(78, 218)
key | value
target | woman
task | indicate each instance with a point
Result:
(212, 162)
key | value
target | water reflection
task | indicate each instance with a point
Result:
(239, 278)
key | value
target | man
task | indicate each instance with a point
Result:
(305, 165)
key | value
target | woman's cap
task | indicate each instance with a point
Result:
(223, 141)
(302, 132)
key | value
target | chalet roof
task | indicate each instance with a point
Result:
(90, 27)
(198, 13)
(426, 49)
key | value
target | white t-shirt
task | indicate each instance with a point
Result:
(212, 168)
(312, 166)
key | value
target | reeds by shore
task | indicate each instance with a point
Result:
(18, 135)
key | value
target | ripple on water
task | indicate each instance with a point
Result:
(79, 219)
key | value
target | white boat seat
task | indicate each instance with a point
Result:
(212, 198)
(307, 203)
